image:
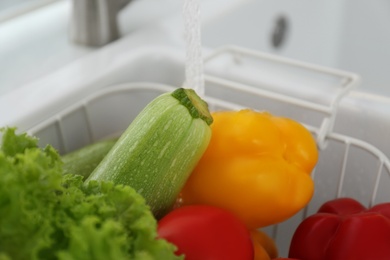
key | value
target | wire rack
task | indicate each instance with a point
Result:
(347, 166)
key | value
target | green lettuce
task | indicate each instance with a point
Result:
(47, 215)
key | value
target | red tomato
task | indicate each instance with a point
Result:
(207, 233)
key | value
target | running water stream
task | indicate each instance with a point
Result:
(194, 58)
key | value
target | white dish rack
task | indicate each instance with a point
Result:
(347, 166)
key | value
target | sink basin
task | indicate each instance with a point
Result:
(346, 34)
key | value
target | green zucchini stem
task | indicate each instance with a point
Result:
(197, 107)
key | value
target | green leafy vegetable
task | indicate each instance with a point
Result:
(47, 215)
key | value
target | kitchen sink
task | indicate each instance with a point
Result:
(351, 35)
(308, 74)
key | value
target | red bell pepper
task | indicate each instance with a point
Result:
(343, 229)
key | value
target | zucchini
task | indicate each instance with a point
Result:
(84, 160)
(160, 148)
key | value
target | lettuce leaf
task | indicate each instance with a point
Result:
(47, 215)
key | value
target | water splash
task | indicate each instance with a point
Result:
(194, 58)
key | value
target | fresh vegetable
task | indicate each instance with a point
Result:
(283, 258)
(48, 215)
(207, 233)
(257, 165)
(84, 160)
(264, 246)
(160, 148)
(344, 229)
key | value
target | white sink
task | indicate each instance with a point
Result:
(347, 34)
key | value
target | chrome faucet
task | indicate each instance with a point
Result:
(94, 22)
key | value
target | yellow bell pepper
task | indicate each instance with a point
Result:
(256, 165)
(264, 246)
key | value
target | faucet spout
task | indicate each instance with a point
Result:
(94, 22)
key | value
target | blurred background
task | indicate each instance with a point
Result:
(36, 36)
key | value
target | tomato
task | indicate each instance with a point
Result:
(206, 233)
